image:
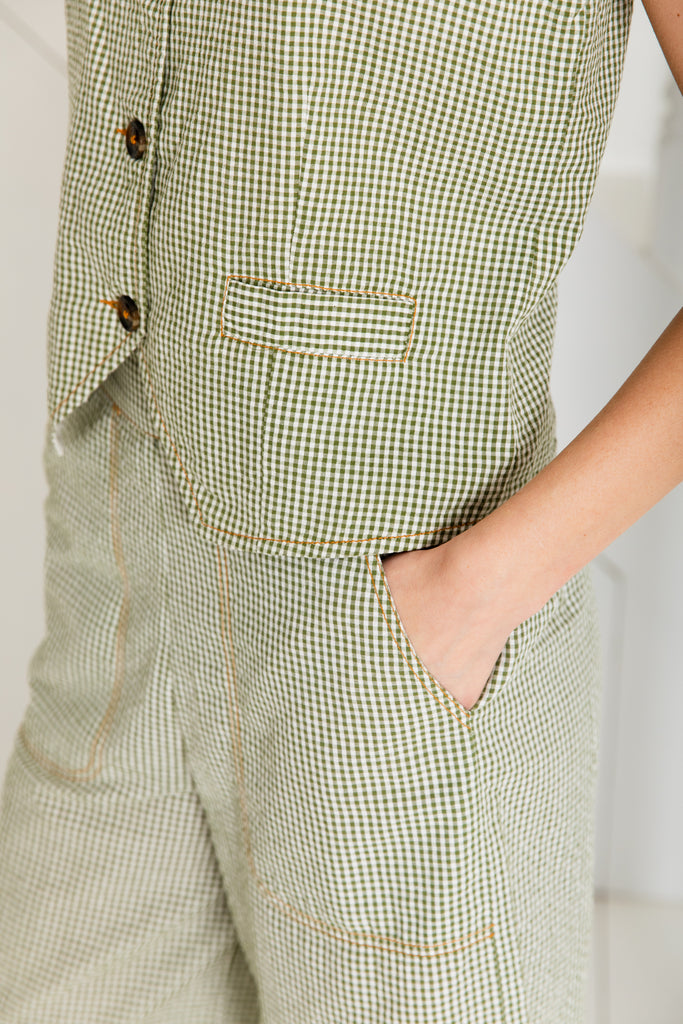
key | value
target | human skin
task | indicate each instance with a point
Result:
(459, 602)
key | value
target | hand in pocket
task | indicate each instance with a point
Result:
(455, 627)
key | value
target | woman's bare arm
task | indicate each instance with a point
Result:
(666, 18)
(460, 601)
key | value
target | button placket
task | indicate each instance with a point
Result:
(107, 199)
(136, 146)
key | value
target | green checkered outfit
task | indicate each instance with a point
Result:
(304, 303)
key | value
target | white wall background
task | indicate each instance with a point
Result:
(622, 286)
(616, 296)
(33, 114)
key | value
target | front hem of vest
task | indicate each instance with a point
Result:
(440, 533)
(82, 390)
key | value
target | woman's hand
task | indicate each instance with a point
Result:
(453, 614)
(461, 600)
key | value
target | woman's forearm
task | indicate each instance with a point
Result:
(666, 18)
(618, 467)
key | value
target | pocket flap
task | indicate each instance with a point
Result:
(315, 320)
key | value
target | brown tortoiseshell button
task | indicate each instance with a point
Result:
(129, 314)
(136, 139)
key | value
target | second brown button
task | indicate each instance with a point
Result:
(129, 314)
(136, 138)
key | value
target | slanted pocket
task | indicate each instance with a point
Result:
(509, 663)
(316, 320)
(380, 585)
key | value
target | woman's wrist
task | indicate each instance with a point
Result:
(624, 461)
(453, 610)
(497, 561)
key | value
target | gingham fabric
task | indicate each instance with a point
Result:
(343, 238)
(238, 797)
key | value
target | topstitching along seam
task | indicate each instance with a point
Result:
(404, 947)
(94, 764)
(450, 711)
(435, 531)
(90, 372)
(321, 287)
(127, 415)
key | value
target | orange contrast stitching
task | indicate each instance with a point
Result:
(94, 765)
(344, 935)
(320, 287)
(277, 540)
(130, 419)
(402, 653)
(89, 373)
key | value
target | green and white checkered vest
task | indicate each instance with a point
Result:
(339, 227)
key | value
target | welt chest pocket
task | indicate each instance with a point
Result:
(316, 320)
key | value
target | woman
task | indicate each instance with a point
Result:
(312, 731)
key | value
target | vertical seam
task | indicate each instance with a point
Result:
(94, 764)
(401, 946)
(127, 415)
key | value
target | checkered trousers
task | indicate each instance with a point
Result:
(238, 796)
